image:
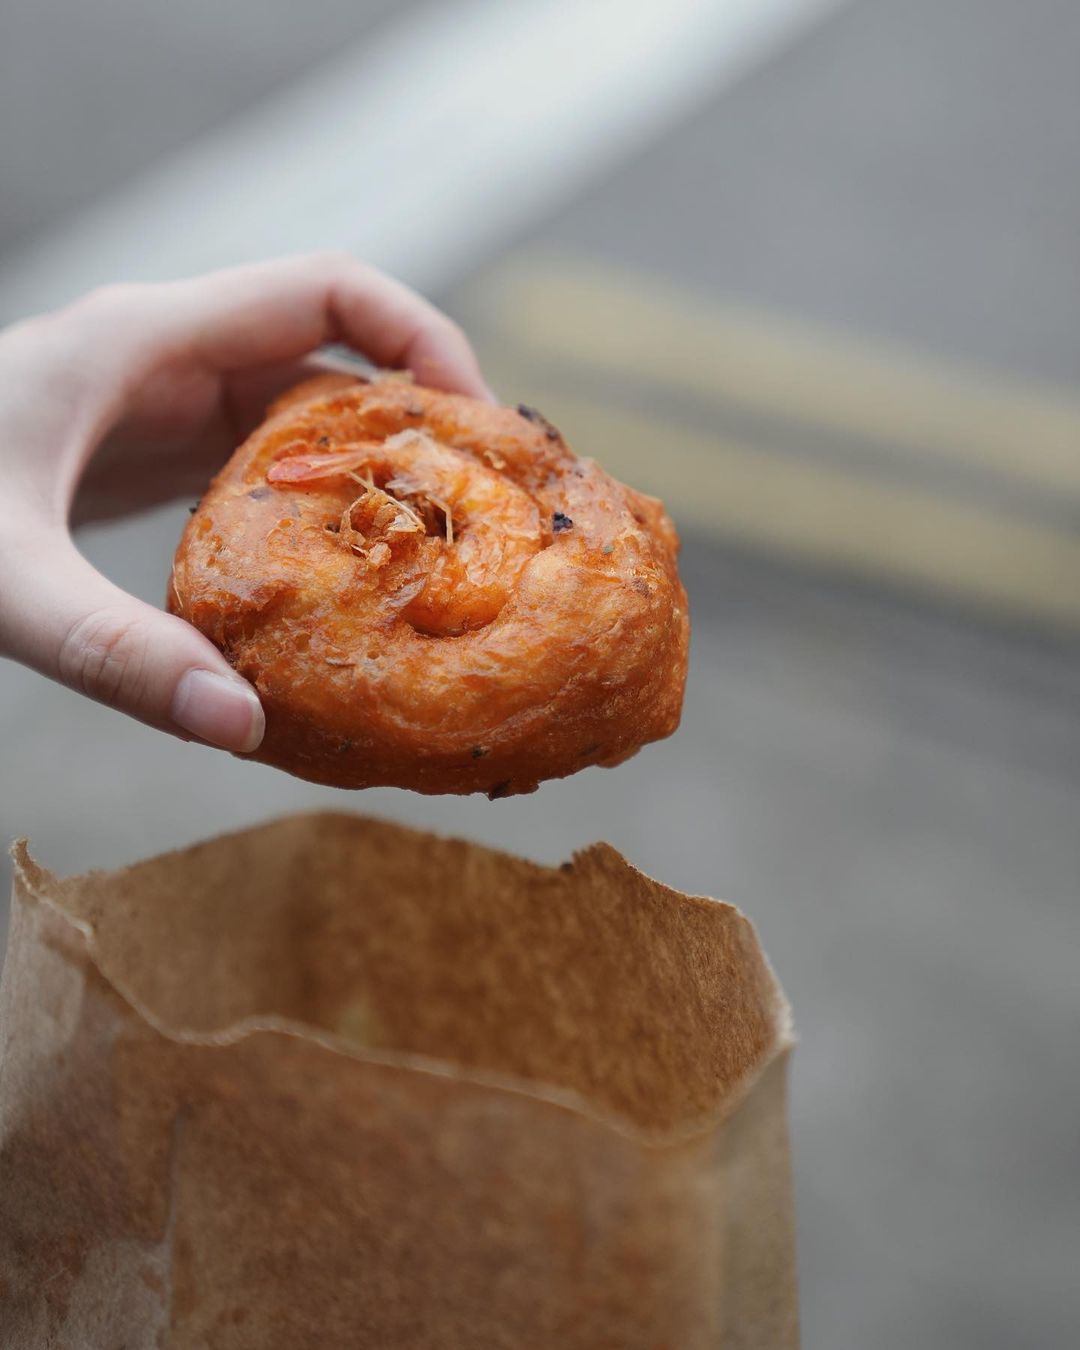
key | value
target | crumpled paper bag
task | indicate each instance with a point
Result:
(334, 1083)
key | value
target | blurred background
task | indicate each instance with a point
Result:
(809, 270)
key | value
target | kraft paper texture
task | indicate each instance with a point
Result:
(332, 1083)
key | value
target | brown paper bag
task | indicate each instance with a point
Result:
(334, 1083)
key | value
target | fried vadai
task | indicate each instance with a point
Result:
(435, 593)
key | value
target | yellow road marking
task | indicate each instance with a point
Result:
(616, 321)
(816, 512)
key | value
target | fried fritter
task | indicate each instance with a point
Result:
(431, 592)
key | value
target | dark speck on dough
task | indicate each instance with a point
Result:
(499, 790)
(538, 418)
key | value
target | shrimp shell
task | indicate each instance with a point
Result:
(434, 593)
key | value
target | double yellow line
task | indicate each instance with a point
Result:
(889, 506)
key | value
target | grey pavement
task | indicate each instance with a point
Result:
(92, 94)
(908, 169)
(891, 791)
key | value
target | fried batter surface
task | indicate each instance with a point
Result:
(434, 593)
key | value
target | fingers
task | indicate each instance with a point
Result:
(169, 362)
(279, 311)
(61, 617)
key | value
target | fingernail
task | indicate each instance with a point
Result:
(220, 709)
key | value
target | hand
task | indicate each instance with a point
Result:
(136, 395)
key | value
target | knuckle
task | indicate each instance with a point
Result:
(334, 262)
(113, 300)
(105, 657)
(340, 257)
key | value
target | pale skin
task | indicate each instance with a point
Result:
(135, 395)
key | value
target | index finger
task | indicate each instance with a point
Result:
(271, 312)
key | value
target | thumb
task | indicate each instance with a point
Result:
(64, 619)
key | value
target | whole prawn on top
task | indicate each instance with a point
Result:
(434, 593)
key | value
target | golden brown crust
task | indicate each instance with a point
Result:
(434, 593)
